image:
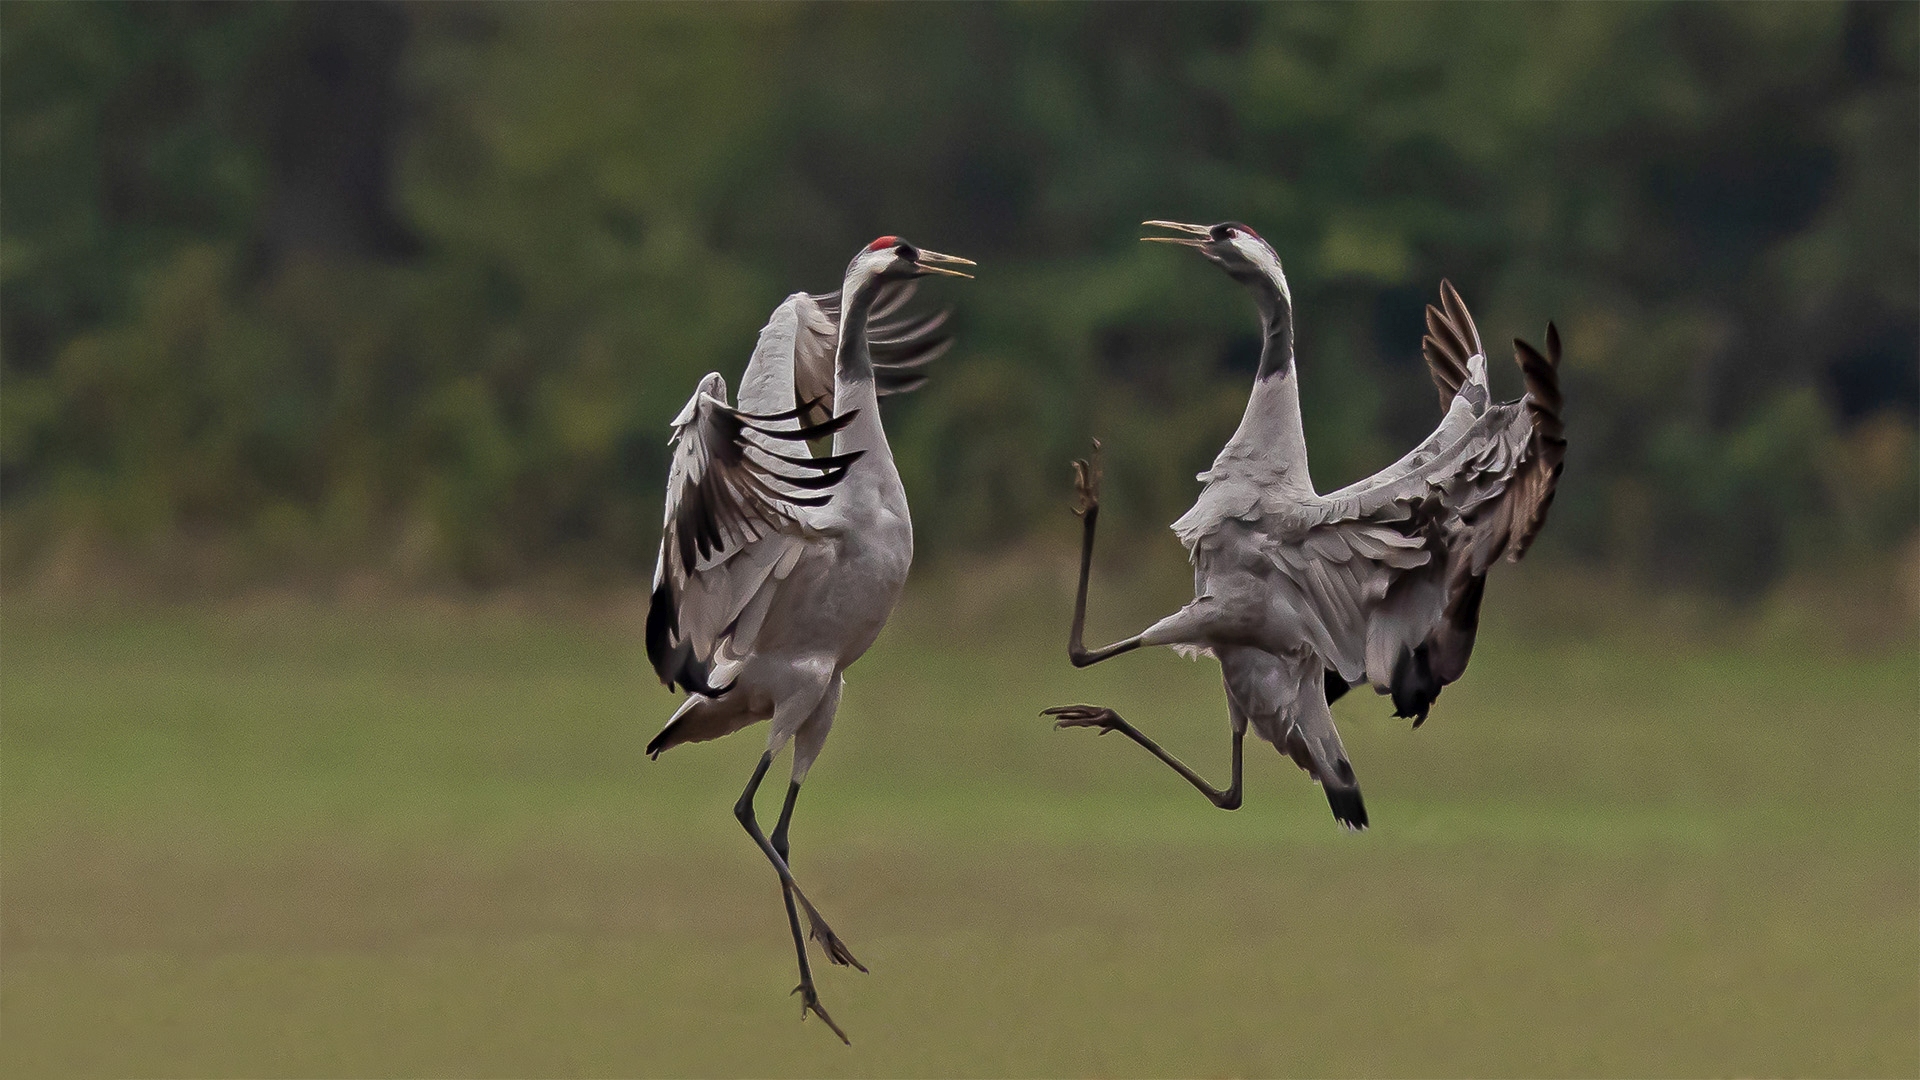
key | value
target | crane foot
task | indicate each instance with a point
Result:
(1089, 716)
(1086, 482)
(830, 942)
(810, 1002)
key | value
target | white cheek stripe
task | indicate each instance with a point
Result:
(1262, 256)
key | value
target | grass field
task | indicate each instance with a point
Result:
(278, 839)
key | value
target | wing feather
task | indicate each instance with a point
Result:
(1394, 567)
(792, 361)
(1534, 485)
(728, 491)
(1451, 340)
(899, 342)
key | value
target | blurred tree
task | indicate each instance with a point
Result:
(424, 283)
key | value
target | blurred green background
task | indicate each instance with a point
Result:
(338, 346)
(419, 287)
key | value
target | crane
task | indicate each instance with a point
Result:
(1301, 595)
(777, 568)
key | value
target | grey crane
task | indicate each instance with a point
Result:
(777, 568)
(1301, 595)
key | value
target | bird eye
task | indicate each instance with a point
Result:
(905, 251)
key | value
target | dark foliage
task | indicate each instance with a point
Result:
(372, 282)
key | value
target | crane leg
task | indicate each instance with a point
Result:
(1106, 720)
(836, 949)
(1086, 479)
(809, 998)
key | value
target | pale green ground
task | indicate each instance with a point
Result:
(405, 839)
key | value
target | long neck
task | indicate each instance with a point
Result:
(1271, 428)
(853, 385)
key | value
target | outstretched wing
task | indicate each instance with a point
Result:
(734, 502)
(1531, 491)
(793, 360)
(1474, 491)
(1450, 343)
(792, 364)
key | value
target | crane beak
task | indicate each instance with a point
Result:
(1179, 226)
(930, 262)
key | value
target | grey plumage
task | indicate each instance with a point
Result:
(778, 568)
(1379, 582)
(792, 364)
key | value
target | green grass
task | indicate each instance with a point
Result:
(293, 839)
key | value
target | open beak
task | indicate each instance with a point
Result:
(932, 262)
(1179, 226)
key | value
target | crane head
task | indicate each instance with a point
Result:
(1234, 247)
(892, 259)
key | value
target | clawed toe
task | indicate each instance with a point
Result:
(1093, 716)
(810, 1003)
(831, 944)
(1086, 482)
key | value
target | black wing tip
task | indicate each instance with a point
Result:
(1349, 809)
(1335, 686)
(675, 664)
(1542, 374)
(662, 624)
(1526, 353)
(827, 427)
(803, 432)
(689, 674)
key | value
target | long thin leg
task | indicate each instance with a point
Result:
(809, 998)
(836, 949)
(779, 842)
(1106, 720)
(1086, 479)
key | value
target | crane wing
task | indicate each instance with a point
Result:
(1496, 464)
(1238, 491)
(1392, 569)
(1450, 344)
(793, 361)
(734, 515)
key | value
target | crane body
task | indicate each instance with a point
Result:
(777, 570)
(1301, 595)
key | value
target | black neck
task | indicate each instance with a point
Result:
(1276, 325)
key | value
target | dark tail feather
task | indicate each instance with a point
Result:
(658, 743)
(1414, 685)
(1348, 808)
